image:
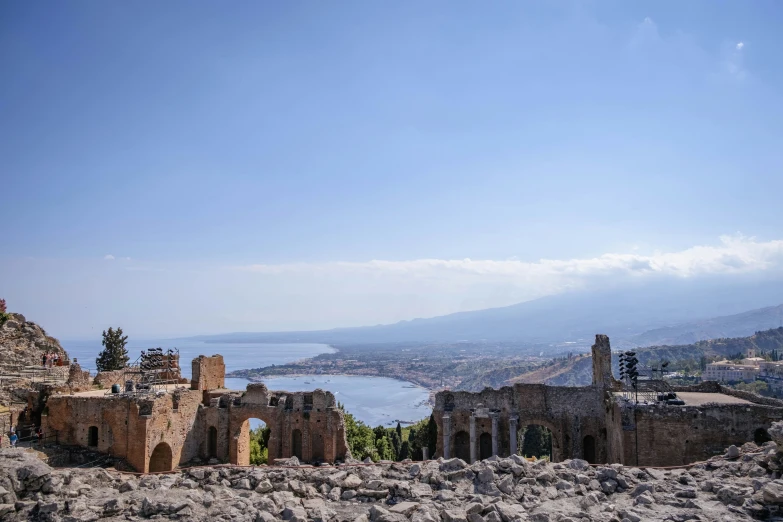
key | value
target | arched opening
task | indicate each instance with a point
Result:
(537, 441)
(760, 436)
(258, 444)
(485, 446)
(161, 459)
(296, 444)
(462, 446)
(92, 436)
(212, 442)
(588, 449)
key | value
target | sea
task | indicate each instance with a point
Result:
(373, 400)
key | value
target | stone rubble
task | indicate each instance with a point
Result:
(743, 484)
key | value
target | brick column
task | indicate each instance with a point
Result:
(494, 434)
(512, 433)
(446, 436)
(472, 439)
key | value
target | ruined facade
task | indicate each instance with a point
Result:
(159, 431)
(596, 424)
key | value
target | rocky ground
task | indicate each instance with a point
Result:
(744, 484)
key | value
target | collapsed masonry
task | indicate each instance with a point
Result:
(597, 424)
(160, 431)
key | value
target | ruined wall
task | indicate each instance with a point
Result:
(173, 421)
(105, 379)
(675, 435)
(570, 413)
(576, 416)
(209, 373)
(78, 379)
(306, 424)
(128, 427)
(120, 428)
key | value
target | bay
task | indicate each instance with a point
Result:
(372, 400)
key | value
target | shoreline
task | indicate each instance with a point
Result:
(283, 375)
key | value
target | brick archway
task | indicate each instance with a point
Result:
(161, 458)
(239, 434)
(557, 436)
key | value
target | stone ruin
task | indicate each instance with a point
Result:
(207, 423)
(596, 424)
(160, 431)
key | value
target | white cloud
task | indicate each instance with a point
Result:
(734, 254)
(108, 257)
(740, 45)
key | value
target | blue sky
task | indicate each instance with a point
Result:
(256, 158)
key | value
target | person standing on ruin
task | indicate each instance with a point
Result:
(13, 438)
(43, 360)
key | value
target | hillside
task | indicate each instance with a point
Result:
(621, 313)
(718, 327)
(23, 343)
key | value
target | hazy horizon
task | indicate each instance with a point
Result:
(185, 168)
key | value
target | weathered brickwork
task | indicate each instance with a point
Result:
(209, 373)
(158, 432)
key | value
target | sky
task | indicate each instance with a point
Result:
(191, 167)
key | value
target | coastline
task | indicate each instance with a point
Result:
(430, 391)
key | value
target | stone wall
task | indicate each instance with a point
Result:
(156, 432)
(209, 373)
(474, 426)
(674, 435)
(106, 379)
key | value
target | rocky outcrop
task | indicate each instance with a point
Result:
(744, 484)
(23, 343)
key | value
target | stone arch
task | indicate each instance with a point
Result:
(212, 442)
(462, 445)
(485, 446)
(161, 458)
(296, 443)
(239, 430)
(588, 449)
(556, 446)
(92, 436)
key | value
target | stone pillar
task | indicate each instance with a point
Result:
(512, 433)
(425, 453)
(495, 434)
(446, 436)
(472, 439)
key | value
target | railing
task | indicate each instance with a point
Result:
(32, 441)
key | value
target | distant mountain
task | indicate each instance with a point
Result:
(718, 327)
(622, 313)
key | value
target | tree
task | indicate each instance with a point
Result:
(259, 441)
(405, 451)
(399, 431)
(114, 355)
(4, 315)
(537, 442)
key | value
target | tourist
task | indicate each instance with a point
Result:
(39, 432)
(43, 359)
(13, 438)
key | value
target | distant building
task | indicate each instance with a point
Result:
(729, 371)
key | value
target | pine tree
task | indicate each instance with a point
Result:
(405, 452)
(399, 430)
(114, 355)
